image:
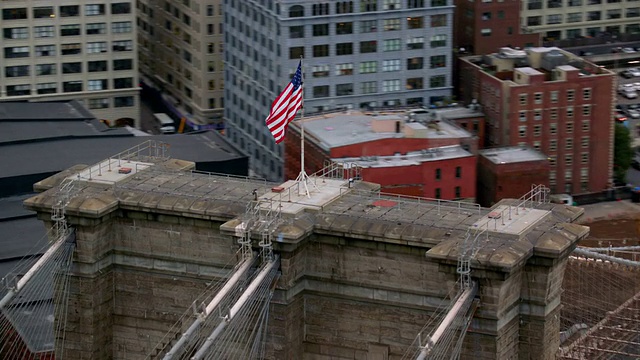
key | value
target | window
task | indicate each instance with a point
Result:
(321, 91)
(568, 160)
(16, 71)
(584, 143)
(344, 49)
(586, 126)
(96, 28)
(554, 19)
(438, 61)
(344, 89)
(435, 3)
(99, 103)
(46, 88)
(584, 158)
(70, 30)
(574, 17)
(72, 68)
(125, 45)
(458, 191)
(553, 128)
(18, 90)
(320, 50)
(438, 20)
(124, 8)
(97, 66)
(569, 111)
(534, 20)
(14, 14)
(368, 5)
(537, 114)
(368, 46)
(93, 9)
(123, 101)
(537, 130)
(122, 83)
(369, 87)
(368, 67)
(415, 83)
(121, 27)
(368, 26)
(96, 47)
(534, 4)
(415, 63)
(16, 33)
(569, 144)
(45, 50)
(45, 69)
(586, 94)
(522, 99)
(438, 40)
(391, 45)
(390, 4)
(437, 193)
(415, 43)
(296, 32)
(391, 65)
(571, 95)
(522, 131)
(296, 11)
(344, 7)
(437, 81)
(16, 52)
(71, 49)
(438, 174)
(43, 31)
(344, 69)
(415, 4)
(486, 15)
(320, 71)
(44, 12)
(95, 85)
(554, 96)
(343, 28)
(69, 10)
(553, 145)
(537, 98)
(296, 52)
(522, 115)
(72, 86)
(320, 9)
(321, 30)
(586, 110)
(390, 85)
(391, 24)
(415, 22)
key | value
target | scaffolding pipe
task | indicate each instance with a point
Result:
(613, 259)
(232, 282)
(467, 295)
(29, 274)
(251, 289)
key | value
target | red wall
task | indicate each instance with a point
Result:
(388, 147)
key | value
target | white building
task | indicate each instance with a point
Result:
(71, 49)
(357, 54)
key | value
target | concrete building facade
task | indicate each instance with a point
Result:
(181, 52)
(357, 54)
(431, 158)
(553, 101)
(82, 50)
(509, 172)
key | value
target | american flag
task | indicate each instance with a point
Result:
(285, 106)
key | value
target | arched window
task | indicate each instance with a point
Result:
(296, 11)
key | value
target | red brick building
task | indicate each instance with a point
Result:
(553, 101)
(483, 27)
(432, 159)
(508, 172)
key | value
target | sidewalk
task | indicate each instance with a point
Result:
(609, 210)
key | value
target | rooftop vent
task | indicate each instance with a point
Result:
(510, 53)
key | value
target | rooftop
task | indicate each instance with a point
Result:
(354, 127)
(410, 158)
(512, 154)
(48, 110)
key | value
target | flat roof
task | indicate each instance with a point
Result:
(19, 131)
(528, 70)
(512, 154)
(353, 127)
(411, 158)
(46, 110)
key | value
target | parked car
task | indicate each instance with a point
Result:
(626, 74)
(620, 118)
(630, 94)
(634, 114)
(628, 50)
(634, 71)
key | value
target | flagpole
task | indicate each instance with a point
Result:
(302, 176)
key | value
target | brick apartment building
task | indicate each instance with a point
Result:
(432, 158)
(509, 172)
(482, 27)
(552, 100)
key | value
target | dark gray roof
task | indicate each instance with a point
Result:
(18, 131)
(22, 237)
(53, 110)
(54, 156)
